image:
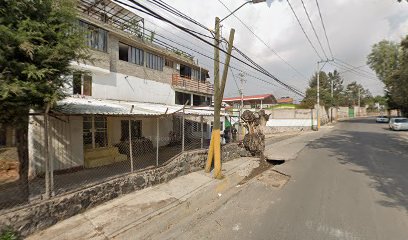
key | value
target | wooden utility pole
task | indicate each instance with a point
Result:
(214, 151)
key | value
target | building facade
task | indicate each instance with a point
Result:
(130, 92)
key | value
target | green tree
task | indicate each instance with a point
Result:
(338, 88)
(397, 83)
(39, 39)
(354, 91)
(390, 60)
(325, 89)
(384, 59)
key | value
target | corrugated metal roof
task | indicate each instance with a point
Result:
(87, 106)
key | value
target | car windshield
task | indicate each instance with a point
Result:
(401, 120)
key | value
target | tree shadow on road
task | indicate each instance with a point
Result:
(382, 156)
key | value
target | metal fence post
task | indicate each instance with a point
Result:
(202, 131)
(130, 146)
(46, 158)
(239, 126)
(51, 168)
(182, 133)
(157, 142)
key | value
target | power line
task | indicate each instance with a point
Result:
(355, 71)
(324, 28)
(231, 67)
(301, 26)
(178, 13)
(267, 73)
(314, 30)
(362, 70)
(152, 13)
(355, 68)
(338, 65)
(263, 42)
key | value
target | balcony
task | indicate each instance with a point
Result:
(192, 85)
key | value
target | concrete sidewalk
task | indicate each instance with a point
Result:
(115, 218)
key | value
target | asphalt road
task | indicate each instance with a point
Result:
(350, 184)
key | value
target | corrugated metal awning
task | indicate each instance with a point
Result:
(87, 106)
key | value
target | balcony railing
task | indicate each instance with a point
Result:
(192, 85)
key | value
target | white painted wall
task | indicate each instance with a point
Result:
(290, 122)
(65, 143)
(128, 88)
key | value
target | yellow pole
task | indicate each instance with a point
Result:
(210, 154)
(217, 154)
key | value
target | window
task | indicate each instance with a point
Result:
(124, 52)
(204, 76)
(154, 61)
(95, 132)
(82, 84)
(77, 84)
(195, 74)
(182, 98)
(209, 101)
(101, 136)
(96, 38)
(131, 54)
(87, 86)
(135, 127)
(169, 63)
(185, 71)
(199, 100)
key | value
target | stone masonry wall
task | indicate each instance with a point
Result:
(37, 216)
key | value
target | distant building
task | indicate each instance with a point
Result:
(252, 102)
(285, 100)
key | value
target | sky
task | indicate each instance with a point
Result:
(353, 26)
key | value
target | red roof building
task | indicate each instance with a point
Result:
(254, 101)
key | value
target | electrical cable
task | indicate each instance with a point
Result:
(314, 30)
(150, 12)
(263, 42)
(304, 32)
(324, 28)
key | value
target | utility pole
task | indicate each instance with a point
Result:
(318, 95)
(359, 96)
(318, 89)
(331, 94)
(214, 152)
(241, 106)
(359, 100)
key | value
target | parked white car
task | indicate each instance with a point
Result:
(399, 123)
(382, 119)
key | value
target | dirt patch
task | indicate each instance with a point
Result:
(273, 178)
(263, 166)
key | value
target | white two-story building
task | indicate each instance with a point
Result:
(131, 81)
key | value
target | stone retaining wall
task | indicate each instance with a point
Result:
(37, 216)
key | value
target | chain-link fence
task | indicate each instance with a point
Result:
(87, 150)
